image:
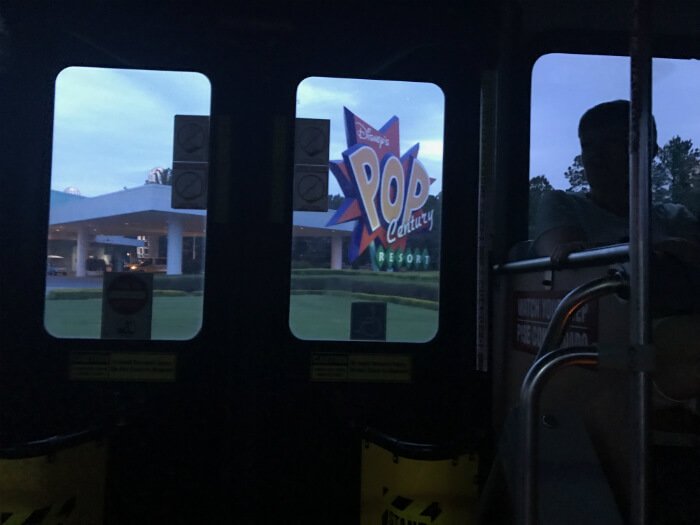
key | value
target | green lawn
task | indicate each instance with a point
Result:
(173, 317)
(327, 317)
(324, 317)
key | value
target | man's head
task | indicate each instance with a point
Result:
(604, 135)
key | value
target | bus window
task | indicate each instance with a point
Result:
(365, 264)
(127, 218)
(580, 118)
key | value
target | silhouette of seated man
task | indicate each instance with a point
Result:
(567, 222)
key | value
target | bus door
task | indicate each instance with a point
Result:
(380, 279)
(313, 201)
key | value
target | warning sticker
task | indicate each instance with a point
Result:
(368, 368)
(50, 515)
(127, 308)
(189, 186)
(368, 321)
(122, 366)
(396, 490)
(382, 368)
(401, 510)
(329, 367)
(310, 188)
(532, 312)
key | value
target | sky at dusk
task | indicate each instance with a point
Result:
(565, 86)
(112, 126)
(419, 107)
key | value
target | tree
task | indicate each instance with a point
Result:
(576, 176)
(538, 186)
(660, 182)
(431, 239)
(334, 201)
(675, 171)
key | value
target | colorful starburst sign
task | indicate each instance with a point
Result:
(384, 190)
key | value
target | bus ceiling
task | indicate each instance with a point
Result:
(670, 17)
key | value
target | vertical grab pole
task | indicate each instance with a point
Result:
(487, 165)
(639, 205)
(528, 492)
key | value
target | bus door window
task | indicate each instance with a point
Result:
(127, 217)
(366, 234)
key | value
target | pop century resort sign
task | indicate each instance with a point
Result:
(384, 191)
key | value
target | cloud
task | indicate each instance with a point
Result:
(419, 107)
(430, 149)
(111, 125)
(565, 86)
(315, 91)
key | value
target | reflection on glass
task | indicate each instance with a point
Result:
(579, 176)
(368, 268)
(110, 208)
(579, 153)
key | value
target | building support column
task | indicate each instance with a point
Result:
(81, 252)
(336, 252)
(175, 230)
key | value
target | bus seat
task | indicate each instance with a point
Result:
(677, 341)
(570, 474)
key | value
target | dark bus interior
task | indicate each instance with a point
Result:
(242, 434)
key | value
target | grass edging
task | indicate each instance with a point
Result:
(394, 299)
(96, 293)
(425, 290)
(427, 275)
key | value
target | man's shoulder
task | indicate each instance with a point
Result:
(563, 194)
(558, 209)
(565, 198)
(671, 210)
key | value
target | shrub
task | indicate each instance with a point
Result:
(75, 293)
(365, 283)
(427, 276)
(169, 293)
(192, 266)
(185, 283)
(301, 264)
(96, 293)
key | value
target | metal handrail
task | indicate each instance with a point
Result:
(52, 444)
(548, 360)
(533, 384)
(615, 282)
(594, 257)
(415, 450)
